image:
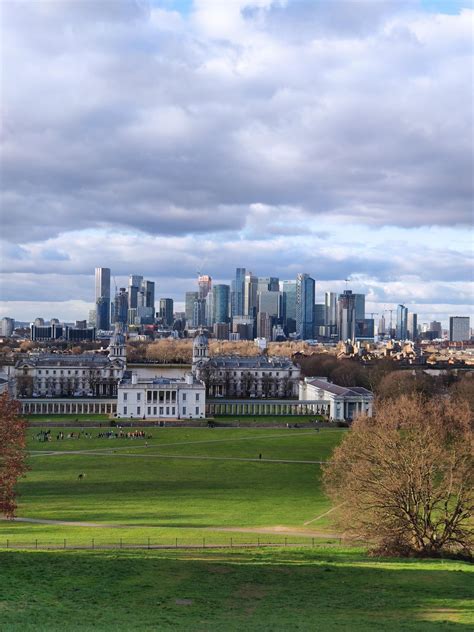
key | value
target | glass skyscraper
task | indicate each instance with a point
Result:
(305, 292)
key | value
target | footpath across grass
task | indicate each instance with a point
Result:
(270, 590)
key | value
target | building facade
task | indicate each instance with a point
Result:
(459, 329)
(344, 403)
(244, 376)
(160, 397)
(305, 293)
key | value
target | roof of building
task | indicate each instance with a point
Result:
(340, 390)
(157, 380)
(64, 359)
(249, 362)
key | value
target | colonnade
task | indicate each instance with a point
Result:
(69, 407)
(276, 407)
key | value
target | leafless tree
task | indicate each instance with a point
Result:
(12, 452)
(404, 478)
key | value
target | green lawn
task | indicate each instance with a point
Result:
(271, 590)
(184, 484)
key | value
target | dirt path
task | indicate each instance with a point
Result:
(326, 513)
(277, 530)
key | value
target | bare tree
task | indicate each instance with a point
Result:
(404, 478)
(12, 452)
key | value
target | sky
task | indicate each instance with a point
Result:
(163, 138)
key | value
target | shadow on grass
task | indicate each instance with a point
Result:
(258, 590)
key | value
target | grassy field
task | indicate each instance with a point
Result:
(194, 485)
(271, 590)
(186, 483)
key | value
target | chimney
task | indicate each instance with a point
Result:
(134, 378)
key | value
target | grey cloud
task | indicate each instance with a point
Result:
(139, 128)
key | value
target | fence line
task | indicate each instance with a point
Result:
(68, 545)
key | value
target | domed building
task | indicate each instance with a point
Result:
(244, 376)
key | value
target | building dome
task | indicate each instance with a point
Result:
(200, 348)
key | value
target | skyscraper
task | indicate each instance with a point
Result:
(459, 328)
(134, 284)
(346, 319)
(305, 292)
(402, 322)
(319, 319)
(146, 295)
(330, 302)
(220, 303)
(289, 306)
(204, 285)
(166, 311)
(412, 326)
(189, 300)
(250, 295)
(102, 298)
(237, 305)
(360, 306)
(121, 307)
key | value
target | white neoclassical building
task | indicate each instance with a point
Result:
(342, 402)
(160, 397)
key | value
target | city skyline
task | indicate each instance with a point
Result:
(255, 133)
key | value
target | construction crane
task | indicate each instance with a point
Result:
(372, 314)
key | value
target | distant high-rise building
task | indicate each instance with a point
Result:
(221, 331)
(269, 302)
(189, 300)
(121, 307)
(330, 302)
(319, 320)
(199, 312)
(102, 298)
(288, 306)
(346, 322)
(264, 325)
(436, 328)
(166, 311)
(250, 295)
(39, 322)
(7, 326)
(134, 285)
(382, 326)
(221, 295)
(204, 285)
(359, 306)
(459, 328)
(91, 318)
(412, 326)
(305, 292)
(268, 284)
(402, 322)
(237, 302)
(364, 329)
(146, 295)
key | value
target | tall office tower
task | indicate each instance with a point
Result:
(209, 309)
(288, 306)
(271, 284)
(204, 285)
(189, 299)
(134, 284)
(319, 319)
(199, 312)
(459, 328)
(270, 303)
(102, 298)
(237, 296)
(121, 307)
(264, 325)
(39, 322)
(330, 302)
(221, 294)
(412, 326)
(382, 326)
(305, 291)
(91, 318)
(435, 327)
(166, 311)
(146, 295)
(250, 295)
(7, 325)
(221, 331)
(360, 306)
(346, 320)
(402, 322)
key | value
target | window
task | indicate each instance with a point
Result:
(138, 410)
(139, 396)
(184, 410)
(39, 372)
(161, 410)
(167, 410)
(47, 372)
(197, 410)
(197, 397)
(149, 410)
(184, 397)
(124, 410)
(154, 410)
(125, 397)
(173, 411)
(148, 396)
(173, 396)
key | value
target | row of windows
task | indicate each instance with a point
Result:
(69, 372)
(164, 396)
